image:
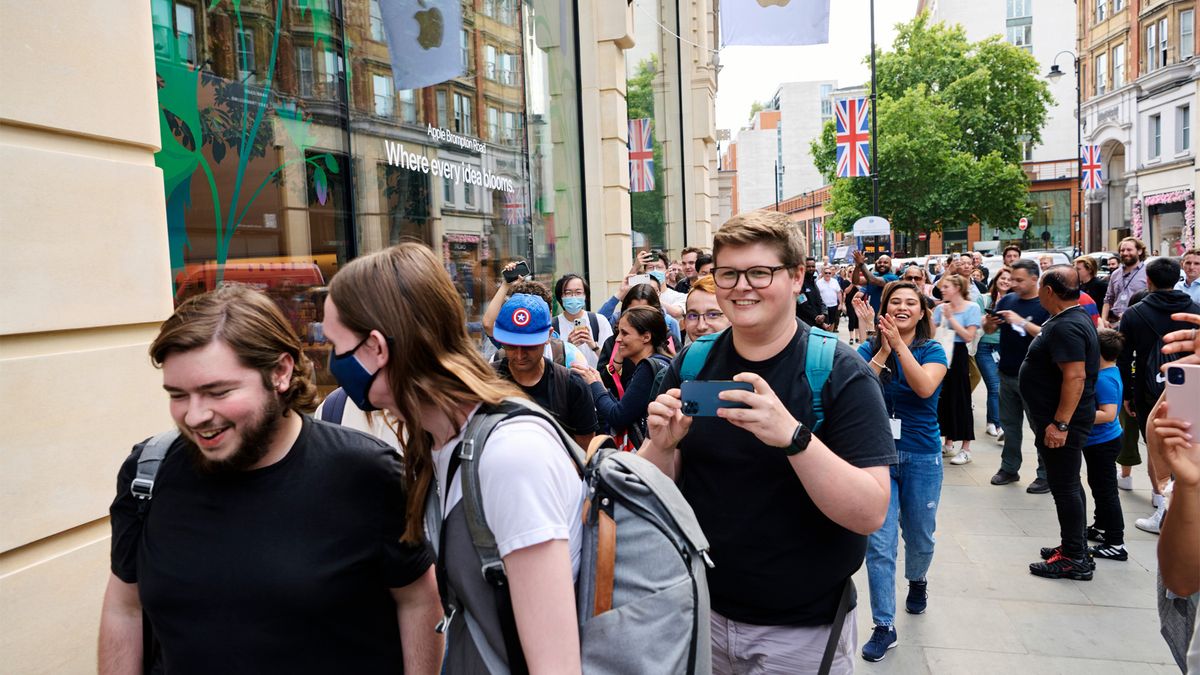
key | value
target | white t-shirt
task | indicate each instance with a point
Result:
(373, 423)
(831, 291)
(531, 490)
(673, 297)
(564, 326)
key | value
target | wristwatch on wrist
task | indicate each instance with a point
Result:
(1061, 426)
(801, 437)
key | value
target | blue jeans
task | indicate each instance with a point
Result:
(990, 370)
(916, 491)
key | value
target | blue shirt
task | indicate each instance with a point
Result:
(1192, 289)
(919, 430)
(1108, 390)
(875, 293)
(971, 316)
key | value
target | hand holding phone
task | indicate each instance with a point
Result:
(636, 279)
(521, 269)
(701, 398)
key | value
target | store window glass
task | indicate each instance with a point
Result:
(656, 150)
(292, 141)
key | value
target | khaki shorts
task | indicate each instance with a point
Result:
(746, 649)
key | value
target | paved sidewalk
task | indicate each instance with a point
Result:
(988, 614)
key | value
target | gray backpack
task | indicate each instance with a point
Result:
(641, 595)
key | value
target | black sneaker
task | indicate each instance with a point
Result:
(1109, 552)
(1048, 553)
(882, 639)
(1059, 567)
(1095, 535)
(917, 598)
(1039, 486)
(1003, 477)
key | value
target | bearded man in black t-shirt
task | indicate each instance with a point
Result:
(787, 511)
(271, 543)
(1058, 385)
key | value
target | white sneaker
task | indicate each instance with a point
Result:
(1154, 523)
(999, 435)
(1156, 500)
(948, 450)
(991, 430)
(1126, 482)
(962, 457)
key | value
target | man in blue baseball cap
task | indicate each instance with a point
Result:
(523, 329)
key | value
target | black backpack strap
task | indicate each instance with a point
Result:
(334, 406)
(595, 322)
(149, 463)
(560, 387)
(835, 629)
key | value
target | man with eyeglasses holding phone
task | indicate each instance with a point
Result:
(786, 509)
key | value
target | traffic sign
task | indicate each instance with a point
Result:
(1023, 224)
(921, 236)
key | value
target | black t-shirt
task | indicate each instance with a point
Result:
(1013, 345)
(779, 560)
(284, 569)
(578, 416)
(1069, 336)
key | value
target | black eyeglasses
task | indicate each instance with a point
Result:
(711, 315)
(759, 276)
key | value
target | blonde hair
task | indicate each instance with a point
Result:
(960, 282)
(252, 325)
(771, 228)
(406, 294)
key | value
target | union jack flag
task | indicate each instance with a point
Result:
(853, 138)
(641, 155)
(514, 207)
(1093, 175)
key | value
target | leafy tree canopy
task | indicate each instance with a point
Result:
(950, 113)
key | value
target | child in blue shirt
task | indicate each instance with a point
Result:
(1101, 450)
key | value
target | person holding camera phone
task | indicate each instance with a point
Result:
(912, 366)
(787, 511)
(586, 330)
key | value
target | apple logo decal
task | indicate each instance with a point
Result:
(431, 25)
(768, 3)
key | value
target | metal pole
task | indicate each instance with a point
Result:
(1079, 151)
(776, 185)
(874, 137)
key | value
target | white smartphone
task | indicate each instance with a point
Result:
(1183, 393)
(639, 279)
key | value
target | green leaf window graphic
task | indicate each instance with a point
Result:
(232, 127)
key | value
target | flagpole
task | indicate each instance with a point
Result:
(874, 137)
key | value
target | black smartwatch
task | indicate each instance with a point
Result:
(1061, 426)
(801, 437)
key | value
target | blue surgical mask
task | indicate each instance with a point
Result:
(658, 275)
(353, 377)
(573, 305)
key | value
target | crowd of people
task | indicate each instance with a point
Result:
(302, 544)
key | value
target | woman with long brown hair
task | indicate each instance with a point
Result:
(400, 343)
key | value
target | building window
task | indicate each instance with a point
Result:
(1154, 142)
(1019, 8)
(448, 190)
(469, 195)
(1118, 5)
(464, 48)
(1101, 73)
(1187, 28)
(185, 32)
(174, 26)
(1151, 47)
(333, 68)
(1021, 36)
(443, 117)
(1101, 10)
(385, 98)
(1118, 66)
(377, 33)
(493, 123)
(462, 114)
(1183, 128)
(1162, 41)
(826, 101)
(489, 62)
(408, 105)
(245, 55)
(304, 71)
(511, 126)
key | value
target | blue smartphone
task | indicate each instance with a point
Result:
(700, 397)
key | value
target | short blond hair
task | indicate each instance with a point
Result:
(771, 228)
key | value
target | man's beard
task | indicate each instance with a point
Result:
(1129, 260)
(255, 443)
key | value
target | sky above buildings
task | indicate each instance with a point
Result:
(750, 74)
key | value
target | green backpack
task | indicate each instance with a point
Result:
(818, 364)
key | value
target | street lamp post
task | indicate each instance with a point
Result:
(1053, 75)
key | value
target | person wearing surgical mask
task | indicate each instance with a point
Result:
(586, 330)
(654, 264)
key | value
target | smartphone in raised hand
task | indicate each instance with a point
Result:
(521, 270)
(701, 398)
(1183, 393)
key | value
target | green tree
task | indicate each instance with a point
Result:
(756, 107)
(949, 112)
(646, 208)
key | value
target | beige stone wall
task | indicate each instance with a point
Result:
(83, 254)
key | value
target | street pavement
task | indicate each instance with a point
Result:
(988, 614)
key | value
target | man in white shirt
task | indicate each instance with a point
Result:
(831, 295)
(1191, 273)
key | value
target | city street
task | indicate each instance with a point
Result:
(988, 614)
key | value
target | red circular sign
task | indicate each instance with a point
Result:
(1023, 224)
(921, 236)
(521, 317)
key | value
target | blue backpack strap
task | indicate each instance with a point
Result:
(818, 364)
(696, 356)
(333, 406)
